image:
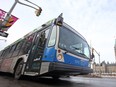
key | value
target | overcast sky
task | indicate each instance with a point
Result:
(94, 19)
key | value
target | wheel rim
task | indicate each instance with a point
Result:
(18, 71)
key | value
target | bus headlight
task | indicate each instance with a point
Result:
(60, 56)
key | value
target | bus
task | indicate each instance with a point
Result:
(54, 49)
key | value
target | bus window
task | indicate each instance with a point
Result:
(18, 48)
(19, 45)
(43, 38)
(42, 42)
(7, 52)
(52, 38)
(1, 54)
(12, 49)
(28, 43)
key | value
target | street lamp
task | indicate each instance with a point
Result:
(38, 9)
(32, 3)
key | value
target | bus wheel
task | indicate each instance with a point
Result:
(18, 70)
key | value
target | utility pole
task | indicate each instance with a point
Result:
(38, 11)
(9, 13)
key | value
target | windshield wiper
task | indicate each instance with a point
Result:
(76, 48)
(82, 54)
(79, 52)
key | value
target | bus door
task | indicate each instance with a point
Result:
(36, 52)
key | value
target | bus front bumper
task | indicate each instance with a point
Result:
(66, 69)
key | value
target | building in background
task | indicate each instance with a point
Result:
(104, 68)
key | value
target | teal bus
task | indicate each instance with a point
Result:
(54, 49)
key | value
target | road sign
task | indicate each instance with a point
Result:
(3, 34)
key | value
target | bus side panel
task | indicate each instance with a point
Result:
(85, 63)
(71, 60)
(5, 66)
(49, 54)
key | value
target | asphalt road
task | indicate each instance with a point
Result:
(8, 81)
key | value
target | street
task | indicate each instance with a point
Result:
(9, 81)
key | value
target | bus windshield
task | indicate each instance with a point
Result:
(73, 43)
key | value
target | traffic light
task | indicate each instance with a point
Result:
(9, 22)
(38, 11)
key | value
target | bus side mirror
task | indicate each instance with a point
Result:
(92, 56)
(59, 20)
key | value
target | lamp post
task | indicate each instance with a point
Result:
(99, 62)
(8, 14)
(13, 6)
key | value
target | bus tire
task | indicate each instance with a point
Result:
(18, 70)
